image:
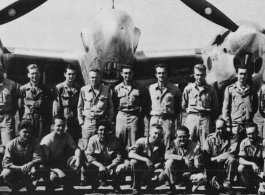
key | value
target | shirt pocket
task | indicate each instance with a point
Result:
(88, 101)
(122, 98)
(135, 96)
(169, 99)
(65, 100)
(6, 96)
(155, 101)
(193, 100)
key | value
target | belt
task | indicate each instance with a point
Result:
(200, 114)
(164, 116)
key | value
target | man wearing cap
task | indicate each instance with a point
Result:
(35, 103)
(220, 158)
(8, 108)
(95, 103)
(65, 102)
(128, 99)
(165, 99)
(240, 103)
(200, 101)
(251, 159)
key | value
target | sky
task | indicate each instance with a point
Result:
(164, 24)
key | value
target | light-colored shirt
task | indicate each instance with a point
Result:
(53, 146)
(104, 152)
(95, 103)
(166, 101)
(16, 154)
(206, 99)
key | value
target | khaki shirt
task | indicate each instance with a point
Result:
(65, 100)
(35, 100)
(206, 99)
(128, 100)
(16, 154)
(8, 97)
(239, 107)
(95, 103)
(166, 101)
(193, 152)
(254, 153)
(143, 148)
(104, 152)
(215, 146)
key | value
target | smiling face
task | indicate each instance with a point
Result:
(199, 77)
(161, 74)
(182, 137)
(58, 126)
(156, 134)
(25, 134)
(34, 75)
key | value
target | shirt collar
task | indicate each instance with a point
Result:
(259, 142)
(240, 88)
(90, 88)
(157, 86)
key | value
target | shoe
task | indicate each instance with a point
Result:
(150, 188)
(251, 190)
(136, 191)
(94, 189)
(69, 190)
(83, 183)
(117, 188)
(172, 190)
(188, 189)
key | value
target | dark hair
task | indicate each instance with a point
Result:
(125, 66)
(200, 67)
(156, 126)
(32, 66)
(241, 66)
(69, 66)
(25, 124)
(161, 66)
(97, 70)
(104, 123)
(184, 128)
(249, 125)
(57, 117)
(220, 119)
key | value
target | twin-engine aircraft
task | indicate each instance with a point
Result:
(111, 39)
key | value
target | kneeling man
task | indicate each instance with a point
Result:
(104, 157)
(184, 159)
(58, 148)
(21, 160)
(251, 159)
(220, 152)
(147, 158)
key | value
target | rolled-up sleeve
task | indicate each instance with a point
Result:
(90, 151)
(8, 158)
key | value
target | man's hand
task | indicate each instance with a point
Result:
(103, 171)
(189, 163)
(256, 168)
(26, 167)
(150, 164)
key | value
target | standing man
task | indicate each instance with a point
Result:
(8, 108)
(35, 103)
(200, 101)
(240, 103)
(220, 158)
(165, 104)
(95, 103)
(65, 102)
(183, 159)
(128, 99)
(251, 159)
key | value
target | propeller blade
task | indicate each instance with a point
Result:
(207, 10)
(18, 9)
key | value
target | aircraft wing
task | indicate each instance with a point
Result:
(180, 64)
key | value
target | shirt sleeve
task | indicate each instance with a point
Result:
(37, 155)
(56, 101)
(110, 107)
(185, 100)
(80, 108)
(8, 158)
(242, 152)
(90, 151)
(70, 142)
(198, 158)
(226, 107)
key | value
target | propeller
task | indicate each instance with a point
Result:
(210, 12)
(18, 9)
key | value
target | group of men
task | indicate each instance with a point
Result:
(171, 152)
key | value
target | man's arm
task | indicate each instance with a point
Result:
(178, 107)
(226, 108)
(21, 104)
(185, 100)
(110, 107)
(8, 159)
(170, 155)
(57, 101)
(80, 108)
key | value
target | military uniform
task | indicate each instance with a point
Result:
(35, 105)
(106, 153)
(19, 155)
(94, 105)
(177, 170)
(253, 153)
(140, 171)
(129, 103)
(239, 108)
(8, 108)
(226, 151)
(201, 104)
(165, 108)
(65, 104)
(262, 103)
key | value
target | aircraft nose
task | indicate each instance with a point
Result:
(247, 40)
